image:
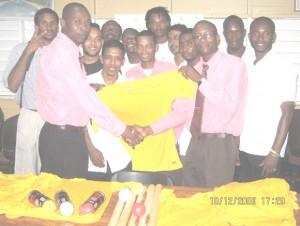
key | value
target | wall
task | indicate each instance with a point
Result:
(209, 8)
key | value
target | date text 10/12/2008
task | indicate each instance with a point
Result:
(243, 200)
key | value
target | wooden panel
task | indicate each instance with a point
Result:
(274, 8)
(60, 4)
(138, 20)
(209, 8)
(108, 9)
(9, 107)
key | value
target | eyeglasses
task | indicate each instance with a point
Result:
(206, 36)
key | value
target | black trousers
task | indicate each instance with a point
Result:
(63, 152)
(209, 161)
(250, 169)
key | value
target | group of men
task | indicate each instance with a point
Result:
(240, 109)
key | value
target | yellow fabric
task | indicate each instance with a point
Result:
(143, 102)
(14, 190)
(198, 209)
(194, 211)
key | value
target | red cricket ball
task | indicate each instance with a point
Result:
(138, 209)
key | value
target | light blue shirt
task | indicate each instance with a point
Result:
(29, 83)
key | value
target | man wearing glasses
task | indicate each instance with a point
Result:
(222, 80)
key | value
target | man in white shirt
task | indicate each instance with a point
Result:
(158, 21)
(173, 42)
(131, 57)
(270, 105)
(107, 154)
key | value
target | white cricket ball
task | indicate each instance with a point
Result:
(125, 195)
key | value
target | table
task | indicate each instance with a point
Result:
(181, 192)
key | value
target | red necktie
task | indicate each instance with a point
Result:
(198, 111)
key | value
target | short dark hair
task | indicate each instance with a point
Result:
(112, 43)
(148, 34)
(157, 10)
(115, 22)
(95, 25)
(44, 11)
(263, 20)
(213, 26)
(187, 31)
(233, 18)
(177, 27)
(70, 7)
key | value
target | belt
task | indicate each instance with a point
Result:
(213, 135)
(68, 127)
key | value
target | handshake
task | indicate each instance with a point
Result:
(133, 135)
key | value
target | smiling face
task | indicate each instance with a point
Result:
(93, 44)
(146, 48)
(128, 40)
(262, 36)
(112, 60)
(76, 24)
(206, 39)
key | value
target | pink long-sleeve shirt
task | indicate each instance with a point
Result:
(63, 95)
(180, 113)
(225, 91)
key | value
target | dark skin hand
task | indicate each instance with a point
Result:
(97, 86)
(189, 72)
(145, 131)
(17, 74)
(132, 136)
(96, 155)
(270, 162)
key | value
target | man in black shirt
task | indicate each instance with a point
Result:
(91, 49)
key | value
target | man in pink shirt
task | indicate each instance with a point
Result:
(210, 158)
(66, 102)
(146, 49)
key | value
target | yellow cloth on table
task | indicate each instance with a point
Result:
(236, 204)
(201, 209)
(143, 102)
(14, 190)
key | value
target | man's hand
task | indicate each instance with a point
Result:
(36, 41)
(132, 136)
(94, 153)
(96, 157)
(97, 86)
(269, 165)
(145, 131)
(190, 73)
